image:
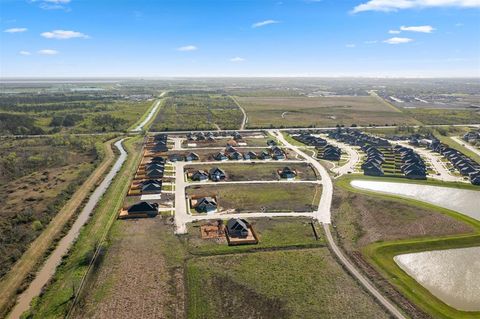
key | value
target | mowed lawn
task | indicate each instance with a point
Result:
(320, 111)
(258, 171)
(276, 197)
(278, 284)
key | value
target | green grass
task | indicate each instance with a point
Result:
(444, 116)
(281, 232)
(274, 197)
(279, 284)
(55, 302)
(381, 254)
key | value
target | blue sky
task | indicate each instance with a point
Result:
(427, 38)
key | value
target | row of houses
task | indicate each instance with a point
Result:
(215, 174)
(357, 138)
(157, 143)
(472, 137)
(372, 165)
(324, 149)
(210, 136)
(413, 166)
(464, 164)
(232, 153)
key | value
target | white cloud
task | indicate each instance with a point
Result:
(395, 5)
(57, 1)
(393, 31)
(63, 35)
(237, 59)
(15, 30)
(420, 28)
(25, 53)
(396, 40)
(370, 42)
(187, 48)
(264, 23)
(350, 45)
(48, 52)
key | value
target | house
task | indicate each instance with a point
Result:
(230, 149)
(151, 186)
(372, 169)
(175, 158)
(264, 155)
(154, 173)
(191, 157)
(271, 143)
(220, 156)
(160, 147)
(415, 171)
(236, 156)
(206, 205)
(331, 153)
(157, 159)
(237, 136)
(237, 227)
(200, 176)
(288, 173)
(152, 166)
(250, 155)
(143, 209)
(217, 174)
(277, 153)
(475, 178)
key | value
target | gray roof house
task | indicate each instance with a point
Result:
(237, 227)
(200, 176)
(206, 205)
(144, 208)
(217, 174)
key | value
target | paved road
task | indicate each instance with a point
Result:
(353, 157)
(466, 145)
(150, 115)
(54, 259)
(360, 277)
(255, 182)
(323, 213)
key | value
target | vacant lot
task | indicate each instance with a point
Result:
(258, 171)
(445, 116)
(141, 275)
(363, 219)
(279, 284)
(319, 111)
(197, 111)
(37, 177)
(285, 232)
(222, 142)
(281, 197)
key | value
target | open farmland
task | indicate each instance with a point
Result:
(197, 111)
(258, 171)
(278, 284)
(281, 197)
(444, 116)
(320, 111)
(38, 176)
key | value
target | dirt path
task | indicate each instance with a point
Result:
(34, 254)
(245, 118)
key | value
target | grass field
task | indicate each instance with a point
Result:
(281, 232)
(447, 230)
(319, 111)
(258, 171)
(281, 197)
(444, 116)
(278, 284)
(55, 301)
(197, 111)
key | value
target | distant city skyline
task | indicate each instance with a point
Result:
(305, 38)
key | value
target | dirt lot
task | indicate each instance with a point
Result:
(278, 284)
(207, 155)
(258, 171)
(363, 219)
(141, 275)
(222, 142)
(281, 197)
(319, 111)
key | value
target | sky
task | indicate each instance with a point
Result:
(165, 38)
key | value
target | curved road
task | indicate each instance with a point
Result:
(323, 216)
(50, 265)
(245, 118)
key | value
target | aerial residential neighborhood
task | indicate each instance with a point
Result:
(296, 159)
